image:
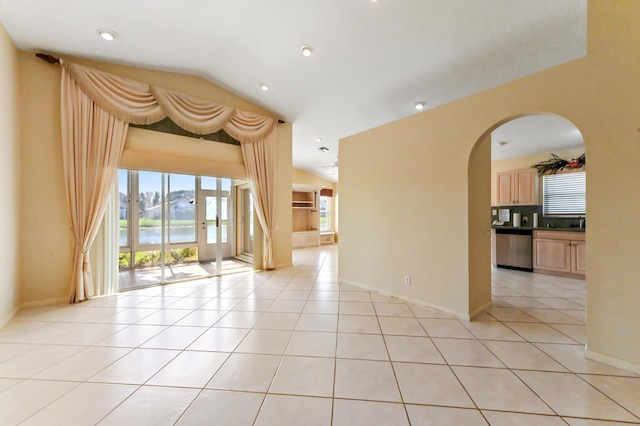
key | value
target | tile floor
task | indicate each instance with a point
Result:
(294, 347)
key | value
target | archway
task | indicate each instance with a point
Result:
(482, 168)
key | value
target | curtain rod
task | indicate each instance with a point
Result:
(49, 59)
(53, 60)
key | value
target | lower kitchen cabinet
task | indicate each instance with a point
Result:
(559, 253)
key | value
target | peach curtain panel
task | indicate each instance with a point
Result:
(257, 157)
(92, 143)
(96, 110)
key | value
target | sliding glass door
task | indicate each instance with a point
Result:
(175, 227)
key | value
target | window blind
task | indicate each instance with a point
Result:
(564, 194)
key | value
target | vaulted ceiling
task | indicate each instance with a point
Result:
(371, 62)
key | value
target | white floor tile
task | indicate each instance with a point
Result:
(265, 342)
(223, 407)
(353, 412)
(497, 418)
(219, 339)
(401, 326)
(84, 364)
(294, 410)
(26, 398)
(311, 343)
(152, 405)
(362, 346)
(466, 352)
(413, 349)
(422, 415)
(294, 346)
(368, 380)
(174, 337)
(304, 376)
(359, 324)
(431, 385)
(136, 367)
(317, 322)
(189, 369)
(246, 372)
(624, 390)
(569, 395)
(84, 405)
(32, 362)
(508, 393)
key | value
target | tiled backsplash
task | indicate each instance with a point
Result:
(528, 211)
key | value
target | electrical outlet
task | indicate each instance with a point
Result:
(11, 294)
(407, 280)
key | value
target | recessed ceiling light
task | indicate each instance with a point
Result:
(306, 50)
(419, 105)
(264, 87)
(106, 34)
(318, 140)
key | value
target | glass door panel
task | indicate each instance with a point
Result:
(247, 223)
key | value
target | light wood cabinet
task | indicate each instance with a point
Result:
(517, 188)
(579, 257)
(559, 253)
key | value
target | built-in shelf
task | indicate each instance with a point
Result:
(306, 218)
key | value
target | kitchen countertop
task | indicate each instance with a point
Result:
(539, 228)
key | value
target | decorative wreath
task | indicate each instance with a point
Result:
(555, 164)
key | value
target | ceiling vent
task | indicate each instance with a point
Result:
(323, 149)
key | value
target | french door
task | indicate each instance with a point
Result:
(215, 223)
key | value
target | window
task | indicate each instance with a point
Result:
(325, 213)
(564, 194)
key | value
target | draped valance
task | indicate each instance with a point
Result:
(140, 103)
(97, 108)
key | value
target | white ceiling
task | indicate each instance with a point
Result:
(373, 59)
(534, 134)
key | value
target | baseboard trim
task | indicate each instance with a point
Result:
(4, 321)
(418, 302)
(481, 310)
(614, 362)
(45, 302)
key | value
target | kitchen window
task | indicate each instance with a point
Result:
(565, 194)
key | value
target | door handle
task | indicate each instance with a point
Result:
(217, 222)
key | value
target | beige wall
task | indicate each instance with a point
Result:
(45, 230)
(422, 187)
(9, 178)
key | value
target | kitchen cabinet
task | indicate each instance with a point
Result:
(517, 188)
(559, 253)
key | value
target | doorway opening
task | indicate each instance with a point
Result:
(175, 227)
(508, 149)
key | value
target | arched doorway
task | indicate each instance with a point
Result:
(514, 143)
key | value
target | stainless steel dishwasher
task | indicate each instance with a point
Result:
(514, 249)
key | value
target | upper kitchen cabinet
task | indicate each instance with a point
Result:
(517, 188)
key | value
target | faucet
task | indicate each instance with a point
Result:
(582, 222)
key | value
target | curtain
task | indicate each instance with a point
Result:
(96, 110)
(260, 164)
(92, 143)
